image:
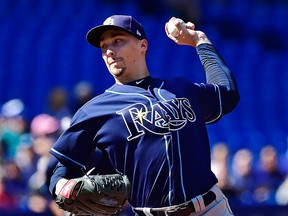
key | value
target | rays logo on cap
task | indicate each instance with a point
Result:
(109, 21)
(138, 33)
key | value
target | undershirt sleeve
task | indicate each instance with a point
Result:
(217, 73)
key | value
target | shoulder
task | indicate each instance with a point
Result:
(89, 110)
(179, 83)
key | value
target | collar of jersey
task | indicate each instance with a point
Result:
(142, 83)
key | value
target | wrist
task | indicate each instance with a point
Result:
(60, 184)
(202, 38)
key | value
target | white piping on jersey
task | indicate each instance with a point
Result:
(179, 153)
(169, 167)
(125, 161)
(160, 93)
(181, 170)
(148, 197)
(124, 93)
(220, 104)
(68, 158)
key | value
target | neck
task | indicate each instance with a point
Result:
(127, 79)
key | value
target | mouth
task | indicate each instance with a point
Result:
(113, 61)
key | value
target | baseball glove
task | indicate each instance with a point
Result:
(94, 194)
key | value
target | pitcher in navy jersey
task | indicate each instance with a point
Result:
(152, 130)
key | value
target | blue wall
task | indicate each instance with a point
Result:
(42, 45)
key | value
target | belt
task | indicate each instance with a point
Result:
(184, 209)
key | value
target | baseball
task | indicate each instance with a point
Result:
(172, 29)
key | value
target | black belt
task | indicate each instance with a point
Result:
(186, 210)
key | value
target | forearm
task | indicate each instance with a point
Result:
(215, 68)
(58, 174)
(59, 178)
(218, 73)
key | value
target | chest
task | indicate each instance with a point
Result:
(132, 115)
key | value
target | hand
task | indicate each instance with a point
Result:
(101, 195)
(187, 36)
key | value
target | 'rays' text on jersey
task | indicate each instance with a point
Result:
(161, 118)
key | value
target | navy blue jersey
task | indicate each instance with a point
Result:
(155, 132)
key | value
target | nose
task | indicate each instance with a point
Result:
(110, 52)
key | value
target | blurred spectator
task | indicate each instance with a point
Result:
(6, 200)
(14, 183)
(43, 125)
(282, 191)
(13, 126)
(243, 176)
(13, 108)
(25, 157)
(219, 163)
(220, 167)
(268, 176)
(37, 203)
(83, 92)
(281, 195)
(45, 129)
(58, 103)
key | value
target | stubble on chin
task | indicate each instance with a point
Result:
(117, 72)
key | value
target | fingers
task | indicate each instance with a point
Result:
(190, 25)
(168, 33)
(178, 23)
(187, 33)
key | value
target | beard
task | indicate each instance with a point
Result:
(117, 72)
(118, 69)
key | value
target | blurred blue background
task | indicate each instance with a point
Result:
(43, 47)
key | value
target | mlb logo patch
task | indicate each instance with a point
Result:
(109, 21)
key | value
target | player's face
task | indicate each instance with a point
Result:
(122, 54)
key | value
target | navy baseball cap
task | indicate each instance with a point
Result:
(124, 22)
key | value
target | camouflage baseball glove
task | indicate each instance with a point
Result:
(94, 194)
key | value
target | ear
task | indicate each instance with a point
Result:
(144, 44)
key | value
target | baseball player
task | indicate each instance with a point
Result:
(151, 130)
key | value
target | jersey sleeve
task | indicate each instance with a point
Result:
(59, 172)
(99, 162)
(75, 147)
(220, 89)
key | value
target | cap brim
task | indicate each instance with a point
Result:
(93, 36)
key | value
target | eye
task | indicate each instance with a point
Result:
(103, 47)
(117, 41)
